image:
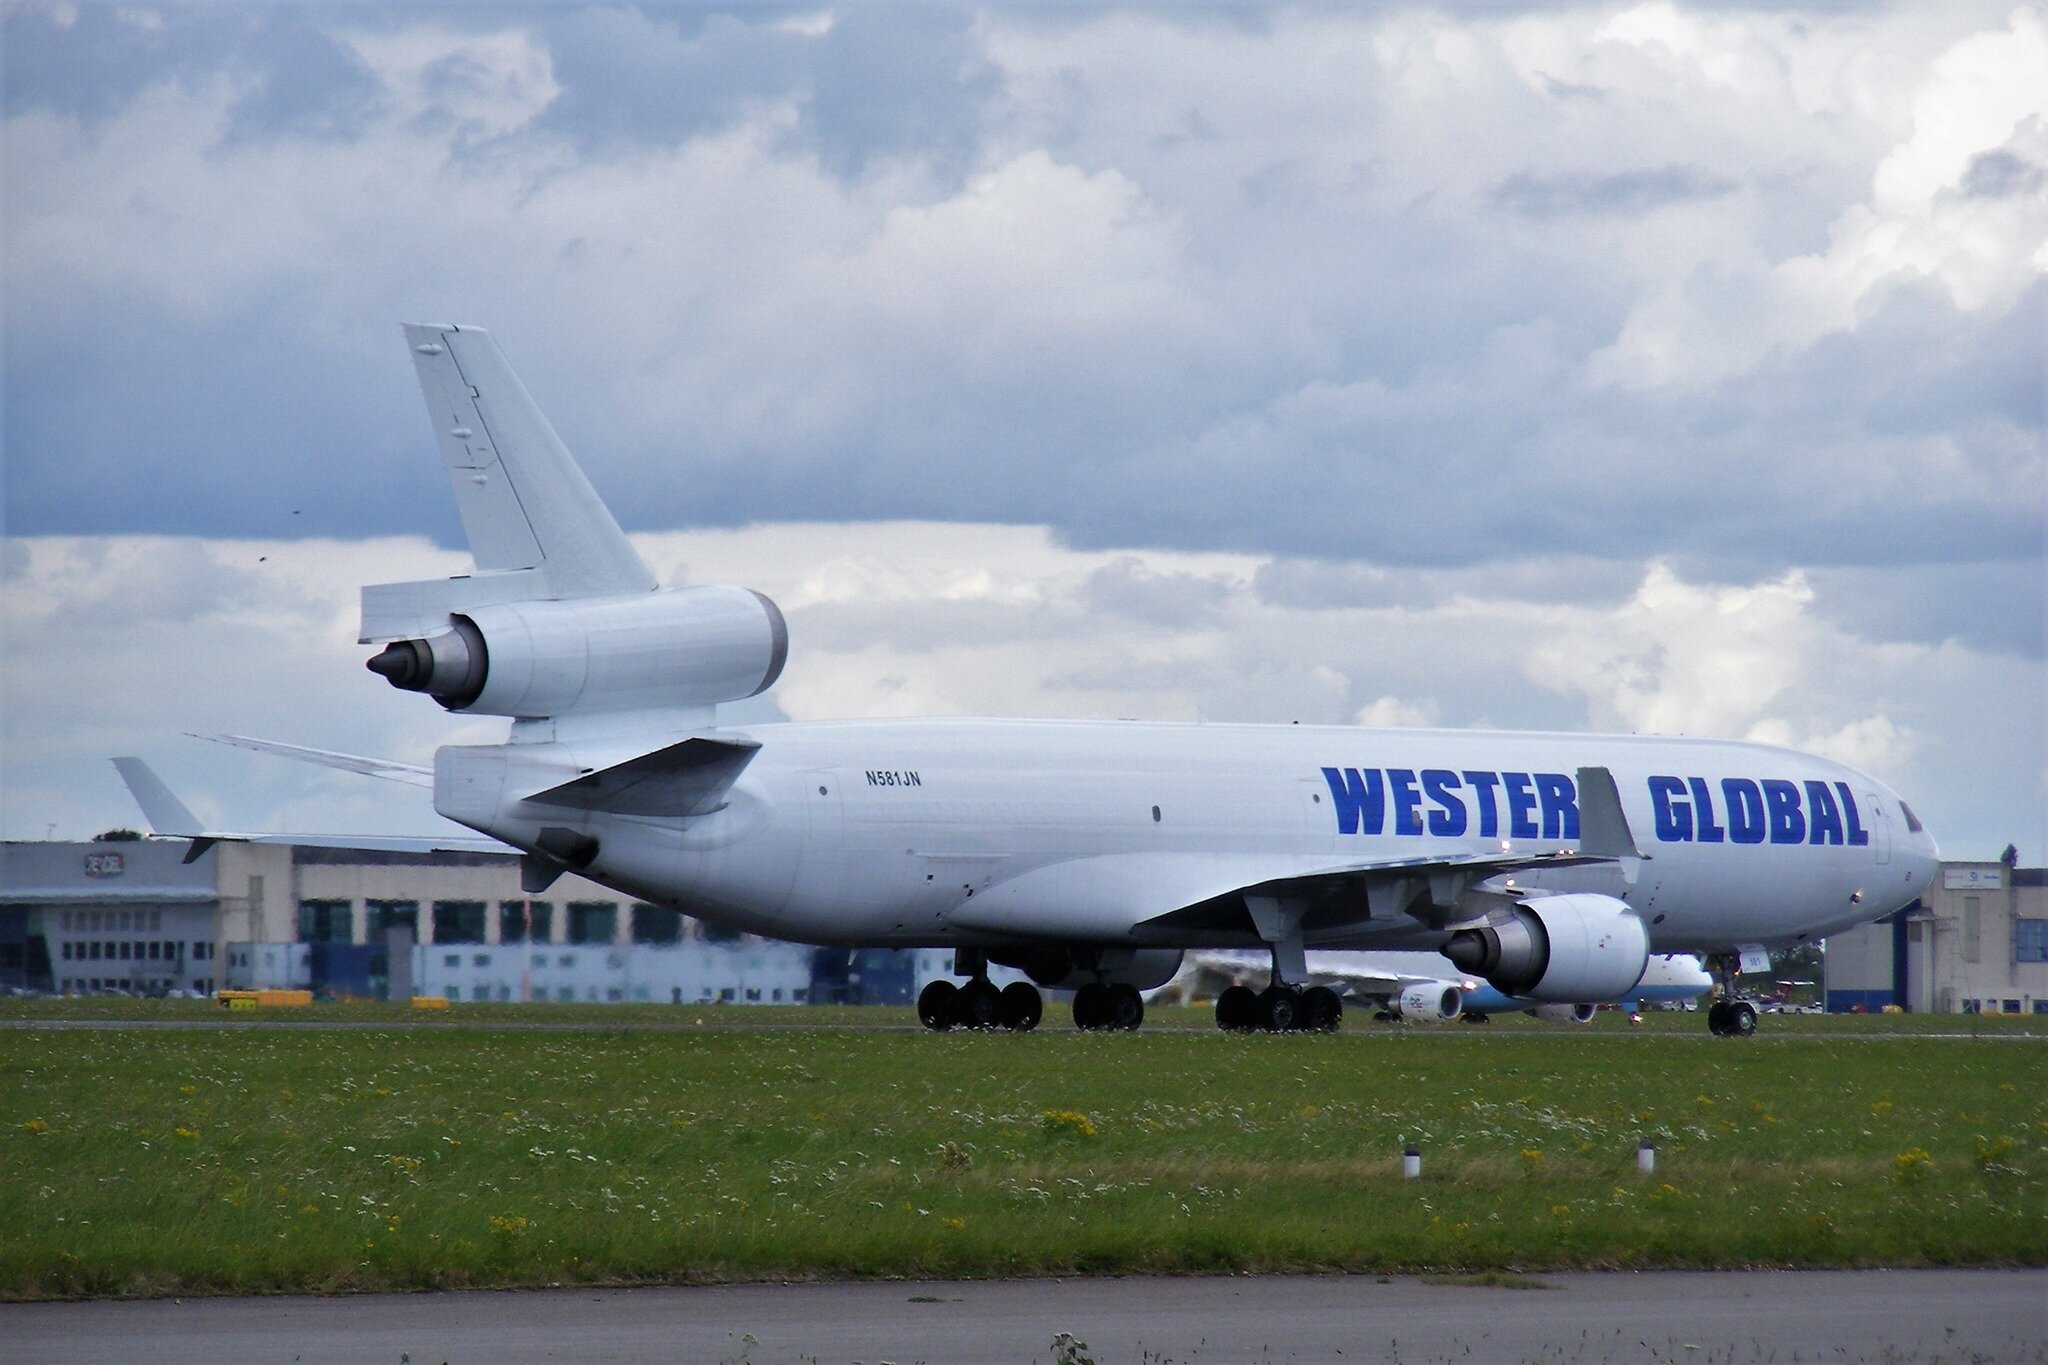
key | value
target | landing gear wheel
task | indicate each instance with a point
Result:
(978, 1005)
(1476, 1018)
(935, 1005)
(1717, 1018)
(1091, 1006)
(1021, 1007)
(1741, 1019)
(1237, 1009)
(1124, 1008)
(1279, 1009)
(1322, 1009)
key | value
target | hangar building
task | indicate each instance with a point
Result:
(1976, 942)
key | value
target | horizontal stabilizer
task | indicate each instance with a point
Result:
(687, 778)
(408, 773)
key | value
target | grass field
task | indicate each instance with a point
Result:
(153, 1161)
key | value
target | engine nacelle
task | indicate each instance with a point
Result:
(1437, 1004)
(1566, 1014)
(1570, 949)
(1067, 969)
(690, 647)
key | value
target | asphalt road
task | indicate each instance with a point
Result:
(1692, 1318)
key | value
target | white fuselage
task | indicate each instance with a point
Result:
(983, 832)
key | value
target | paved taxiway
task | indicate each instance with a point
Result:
(1691, 1317)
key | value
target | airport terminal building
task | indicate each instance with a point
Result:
(131, 916)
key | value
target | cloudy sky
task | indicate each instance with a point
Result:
(1631, 367)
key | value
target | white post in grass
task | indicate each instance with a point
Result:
(1646, 1157)
(1411, 1164)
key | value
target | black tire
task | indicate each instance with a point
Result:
(1021, 1007)
(1717, 1018)
(1322, 1009)
(1237, 1009)
(979, 1004)
(1279, 1009)
(1091, 1006)
(935, 1005)
(1123, 1009)
(1741, 1021)
(1477, 1018)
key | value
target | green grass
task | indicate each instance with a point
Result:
(155, 1161)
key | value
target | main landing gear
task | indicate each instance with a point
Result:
(980, 1005)
(1100, 1007)
(1729, 1016)
(1279, 1008)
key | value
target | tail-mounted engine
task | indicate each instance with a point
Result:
(1559, 948)
(686, 648)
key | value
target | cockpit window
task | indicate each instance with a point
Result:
(1912, 820)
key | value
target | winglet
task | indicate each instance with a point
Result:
(166, 814)
(1603, 825)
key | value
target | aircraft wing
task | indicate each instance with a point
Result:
(170, 818)
(1143, 897)
(409, 773)
(1119, 898)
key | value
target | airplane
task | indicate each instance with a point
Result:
(1092, 855)
(1411, 986)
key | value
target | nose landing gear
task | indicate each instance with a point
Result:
(1729, 1016)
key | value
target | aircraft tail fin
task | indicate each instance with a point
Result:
(165, 813)
(524, 502)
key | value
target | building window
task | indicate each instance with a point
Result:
(716, 933)
(65, 951)
(1973, 914)
(2030, 940)
(380, 917)
(657, 924)
(458, 921)
(520, 921)
(455, 992)
(452, 960)
(326, 921)
(480, 960)
(593, 921)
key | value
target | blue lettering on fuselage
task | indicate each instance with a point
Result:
(1434, 800)
(1757, 810)
(1443, 804)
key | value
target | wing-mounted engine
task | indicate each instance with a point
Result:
(1567, 949)
(692, 647)
(1566, 1014)
(1429, 1003)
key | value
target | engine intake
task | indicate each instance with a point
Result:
(690, 647)
(1569, 949)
